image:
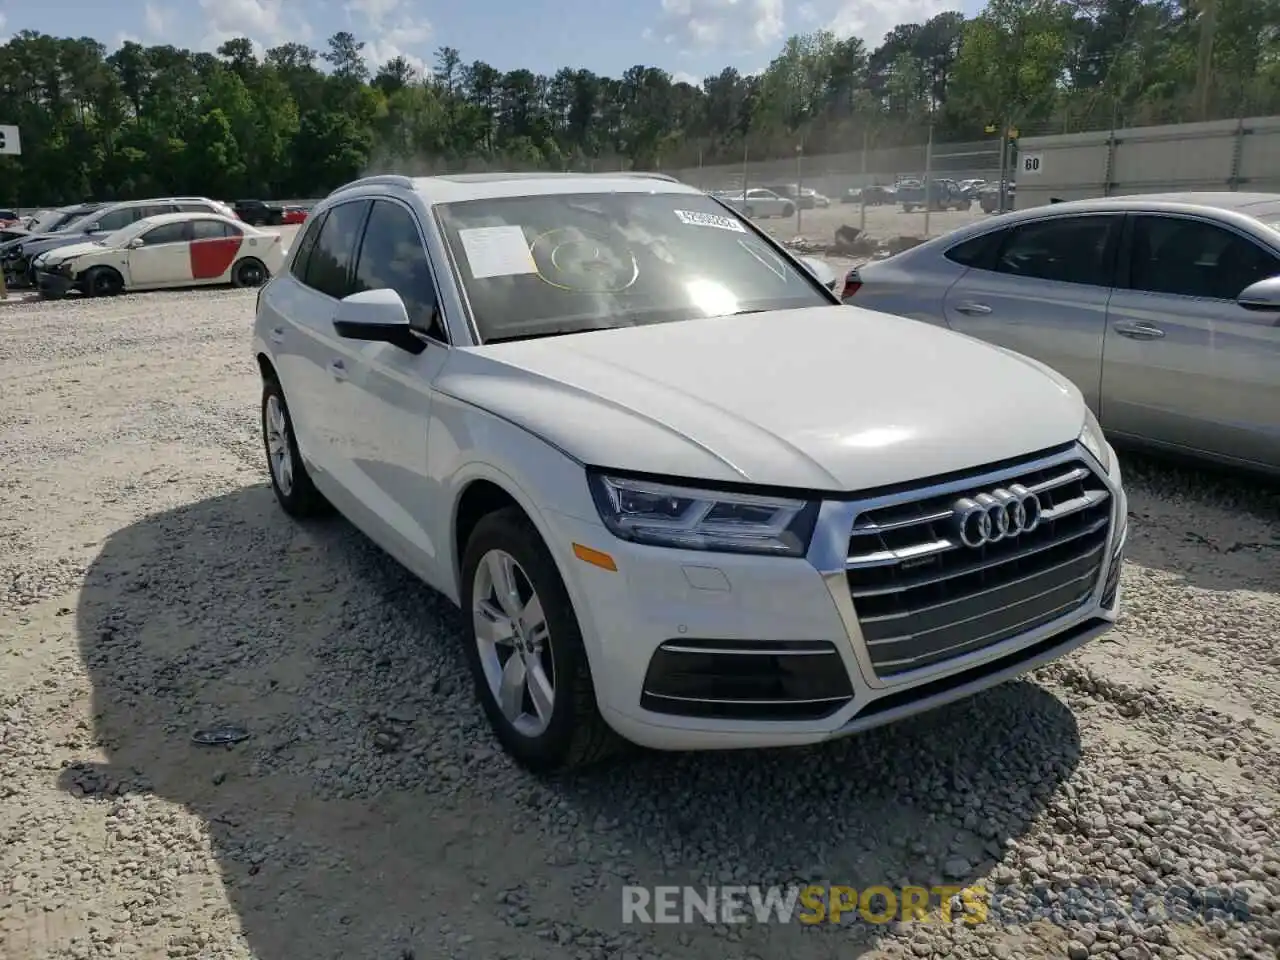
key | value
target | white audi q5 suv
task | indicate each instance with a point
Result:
(682, 494)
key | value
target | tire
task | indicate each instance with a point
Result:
(789, 210)
(570, 732)
(293, 488)
(249, 272)
(103, 282)
(750, 213)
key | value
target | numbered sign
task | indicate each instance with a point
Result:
(9, 142)
(1030, 164)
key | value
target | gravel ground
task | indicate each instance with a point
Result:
(150, 588)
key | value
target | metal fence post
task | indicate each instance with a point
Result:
(928, 179)
(1237, 156)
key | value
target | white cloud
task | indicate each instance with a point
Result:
(722, 23)
(396, 32)
(267, 23)
(872, 19)
(645, 34)
(157, 20)
(681, 76)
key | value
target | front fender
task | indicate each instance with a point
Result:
(466, 444)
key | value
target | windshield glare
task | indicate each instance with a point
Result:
(564, 263)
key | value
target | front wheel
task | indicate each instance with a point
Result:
(525, 649)
(789, 211)
(103, 282)
(750, 212)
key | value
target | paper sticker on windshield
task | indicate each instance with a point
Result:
(497, 252)
(695, 219)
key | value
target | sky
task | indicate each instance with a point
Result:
(689, 38)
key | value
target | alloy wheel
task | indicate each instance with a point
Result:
(278, 453)
(512, 637)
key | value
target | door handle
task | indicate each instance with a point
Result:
(973, 309)
(338, 369)
(277, 334)
(1138, 331)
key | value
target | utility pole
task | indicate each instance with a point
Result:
(862, 188)
(1204, 56)
(928, 178)
(799, 182)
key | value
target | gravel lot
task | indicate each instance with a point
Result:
(150, 587)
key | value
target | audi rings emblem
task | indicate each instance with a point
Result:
(1002, 514)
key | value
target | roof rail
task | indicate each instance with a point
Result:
(640, 175)
(383, 179)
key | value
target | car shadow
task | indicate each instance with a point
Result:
(369, 813)
(1212, 527)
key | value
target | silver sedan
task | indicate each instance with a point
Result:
(1163, 309)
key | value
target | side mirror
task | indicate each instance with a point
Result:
(136, 242)
(1263, 295)
(821, 271)
(376, 316)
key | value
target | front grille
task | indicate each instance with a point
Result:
(923, 597)
(747, 679)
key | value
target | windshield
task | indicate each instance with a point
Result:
(118, 238)
(564, 263)
(47, 221)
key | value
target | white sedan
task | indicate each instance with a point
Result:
(170, 250)
(760, 202)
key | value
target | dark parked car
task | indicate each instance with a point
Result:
(259, 212)
(942, 195)
(12, 258)
(875, 195)
(989, 197)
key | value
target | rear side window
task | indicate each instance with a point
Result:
(119, 219)
(392, 258)
(194, 206)
(212, 230)
(330, 261)
(979, 251)
(1066, 250)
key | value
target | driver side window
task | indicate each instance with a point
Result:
(165, 233)
(392, 257)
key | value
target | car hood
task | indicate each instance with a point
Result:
(70, 251)
(826, 398)
(40, 243)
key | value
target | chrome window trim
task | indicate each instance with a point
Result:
(829, 549)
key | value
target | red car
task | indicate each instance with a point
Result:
(294, 215)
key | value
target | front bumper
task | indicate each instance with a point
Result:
(17, 272)
(671, 627)
(54, 285)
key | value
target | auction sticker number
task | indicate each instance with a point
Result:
(695, 219)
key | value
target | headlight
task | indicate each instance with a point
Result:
(1092, 439)
(672, 516)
